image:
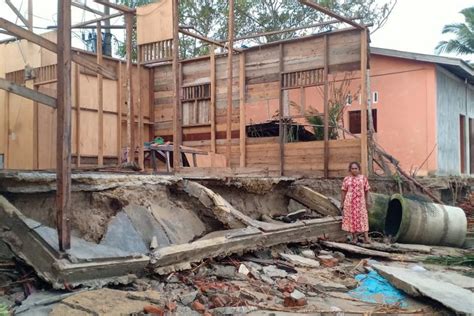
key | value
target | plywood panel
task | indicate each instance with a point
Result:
(110, 132)
(110, 95)
(48, 57)
(89, 92)
(155, 22)
(3, 121)
(89, 137)
(46, 137)
(21, 133)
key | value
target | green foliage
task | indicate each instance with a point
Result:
(339, 92)
(209, 18)
(4, 310)
(463, 43)
(467, 260)
(318, 126)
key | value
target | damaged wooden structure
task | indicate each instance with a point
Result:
(182, 235)
(104, 109)
(202, 103)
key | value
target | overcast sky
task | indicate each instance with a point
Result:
(415, 25)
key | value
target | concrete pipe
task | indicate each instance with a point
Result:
(412, 221)
(378, 211)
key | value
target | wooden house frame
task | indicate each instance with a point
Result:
(152, 94)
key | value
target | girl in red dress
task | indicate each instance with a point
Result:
(354, 198)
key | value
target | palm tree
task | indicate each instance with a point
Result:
(463, 44)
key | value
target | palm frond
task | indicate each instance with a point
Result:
(453, 46)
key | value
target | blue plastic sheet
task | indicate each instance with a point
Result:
(374, 288)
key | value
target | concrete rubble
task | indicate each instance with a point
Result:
(153, 245)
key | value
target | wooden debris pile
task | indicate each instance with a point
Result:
(299, 278)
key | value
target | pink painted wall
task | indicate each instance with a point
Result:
(406, 109)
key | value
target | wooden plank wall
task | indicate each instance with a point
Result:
(35, 148)
(262, 87)
(301, 158)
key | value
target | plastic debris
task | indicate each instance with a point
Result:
(374, 288)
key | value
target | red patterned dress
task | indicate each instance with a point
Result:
(355, 219)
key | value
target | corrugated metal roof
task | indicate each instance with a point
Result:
(457, 66)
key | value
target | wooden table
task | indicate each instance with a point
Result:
(165, 150)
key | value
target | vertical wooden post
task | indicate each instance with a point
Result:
(363, 107)
(213, 99)
(280, 114)
(151, 98)
(77, 102)
(7, 129)
(100, 98)
(177, 87)
(119, 112)
(131, 111)
(63, 153)
(141, 154)
(326, 106)
(30, 15)
(243, 132)
(35, 134)
(229, 81)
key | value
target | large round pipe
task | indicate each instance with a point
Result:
(412, 221)
(378, 211)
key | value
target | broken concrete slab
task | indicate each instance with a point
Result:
(40, 303)
(33, 182)
(82, 265)
(179, 224)
(313, 200)
(146, 225)
(274, 272)
(300, 261)
(121, 234)
(99, 302)
(165, 258)
(225, 212)
(420, 284)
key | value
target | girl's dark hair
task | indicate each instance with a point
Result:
(354, 163)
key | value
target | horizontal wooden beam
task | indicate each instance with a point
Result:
(27, 93)
(103, 18)
(86, 8)
(18, 13)
(285, 30)
(330, 13)
(20, 32)
(118, 7)
(205, 39)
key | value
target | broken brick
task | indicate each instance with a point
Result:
(198, 307)
(153, 310)
(171, 306)
(290, 302)
(328, 261)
